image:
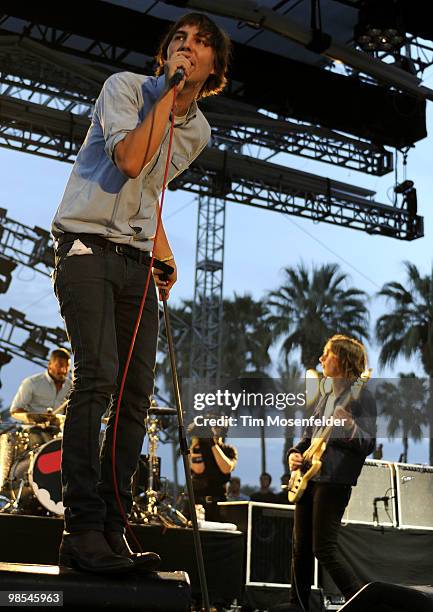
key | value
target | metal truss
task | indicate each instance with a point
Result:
(49, 132)
(33, 73)
(24, 245)
(258, 183)
(207, 311)
(88, 49)
(26, 339)
(30, 71)
(183, 331)
(41, 130)
(308, 141)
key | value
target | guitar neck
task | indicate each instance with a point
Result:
(318, 441)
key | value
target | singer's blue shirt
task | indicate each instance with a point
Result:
(99, 198)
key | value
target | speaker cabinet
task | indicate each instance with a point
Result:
(415, 496)
(268, 529)
(373, 500)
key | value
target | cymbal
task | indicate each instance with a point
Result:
(38, 417)
(161, 411)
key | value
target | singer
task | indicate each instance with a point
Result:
(104, 232)
(319, 511)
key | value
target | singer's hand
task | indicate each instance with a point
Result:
(165, 285)
(177, 60)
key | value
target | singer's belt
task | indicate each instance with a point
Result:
(94, 240)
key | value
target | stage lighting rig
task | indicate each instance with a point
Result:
(38, 342)
(380, 26)
(5, 358)
(409, 200)
(21, 244)
(7, 266)
(35, 344)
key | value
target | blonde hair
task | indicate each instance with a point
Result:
(351, 355)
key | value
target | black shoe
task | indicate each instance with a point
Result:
(88, 551)
(146, 562)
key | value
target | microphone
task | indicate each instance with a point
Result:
(177, 77)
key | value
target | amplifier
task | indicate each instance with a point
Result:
(373, 500)
(268, 529)
(415, 496)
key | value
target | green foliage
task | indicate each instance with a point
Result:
(310, 307)
(405, 407)
(407, 329)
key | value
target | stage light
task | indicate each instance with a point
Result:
(34, 345)
(380, 26)
(7, 266)
(5, 358)
(403, 187)
(43, 251)
(16, 314)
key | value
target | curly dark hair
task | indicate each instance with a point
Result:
(219, 41)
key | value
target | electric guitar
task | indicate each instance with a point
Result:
(312, 457)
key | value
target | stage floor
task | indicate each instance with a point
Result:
(31, 539)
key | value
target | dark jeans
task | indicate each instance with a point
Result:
(99, 297)
(317, 521)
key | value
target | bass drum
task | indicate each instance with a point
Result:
(13, 445)
(38, 476)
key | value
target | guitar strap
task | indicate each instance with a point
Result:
(321, 407)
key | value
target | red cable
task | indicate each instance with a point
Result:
(137, 324)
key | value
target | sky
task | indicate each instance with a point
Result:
(258, 245)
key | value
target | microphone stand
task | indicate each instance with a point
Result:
(183, 441)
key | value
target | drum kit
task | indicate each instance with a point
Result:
(30, 469)
(30, 460)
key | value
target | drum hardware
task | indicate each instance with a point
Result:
(51, 417)
(4, 501)
(13, 443)
(149, 507)
(14, 507)
(34, 481)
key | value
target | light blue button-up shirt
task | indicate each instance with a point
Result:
(99, 198)
(39, 392)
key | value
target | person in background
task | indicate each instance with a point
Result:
(282, 496)
(234, 491)
(264, 494)
(41, 394)
(319, 511)
(47, 390)
(378, 452)
(212, 462)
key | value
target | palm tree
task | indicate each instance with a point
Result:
(290, 380)
(309, 308)
(246, 340)
(404, 405)
(246, 337)
(245, 351)
(407, 329)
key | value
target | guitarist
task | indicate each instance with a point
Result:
(319, 511)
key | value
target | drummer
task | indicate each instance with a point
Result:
(43, 393)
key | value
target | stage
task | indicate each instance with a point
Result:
(35, 540)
